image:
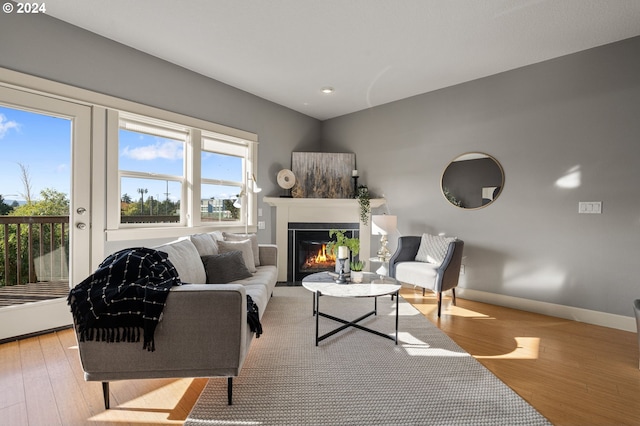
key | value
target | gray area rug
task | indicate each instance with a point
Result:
(355, 377)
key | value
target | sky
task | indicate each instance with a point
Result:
(43, 145)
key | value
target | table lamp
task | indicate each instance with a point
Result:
(383, 225)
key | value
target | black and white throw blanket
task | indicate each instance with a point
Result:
(125, 294)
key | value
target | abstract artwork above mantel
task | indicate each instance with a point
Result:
(323, 174)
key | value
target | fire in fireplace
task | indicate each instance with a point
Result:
(316, 260)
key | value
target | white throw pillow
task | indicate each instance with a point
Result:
(243, 246)
(241, 237)
(433, 248)
(185, 258)
(206, 244)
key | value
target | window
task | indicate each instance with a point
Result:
(222, 169)
(151, 158)
(173, 175)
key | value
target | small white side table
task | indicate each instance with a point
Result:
(383, 270)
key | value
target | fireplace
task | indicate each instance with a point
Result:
(307, 248)
(317, 214)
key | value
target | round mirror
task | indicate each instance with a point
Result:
(472, 180)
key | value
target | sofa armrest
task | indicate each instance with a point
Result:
(406, 252)
(268, 254)
(203, 333)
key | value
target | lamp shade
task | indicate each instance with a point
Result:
(383, 224)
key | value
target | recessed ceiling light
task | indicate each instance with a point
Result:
(327, 90)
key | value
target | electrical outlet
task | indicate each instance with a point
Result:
(261, 224)
(461, 269)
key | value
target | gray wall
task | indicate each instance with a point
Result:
(46, 47)
(579, 112)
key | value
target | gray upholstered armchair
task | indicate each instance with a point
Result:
(636, 308)
(432, 275)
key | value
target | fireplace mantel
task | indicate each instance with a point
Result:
(315, 210)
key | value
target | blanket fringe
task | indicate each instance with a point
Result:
(120, 334)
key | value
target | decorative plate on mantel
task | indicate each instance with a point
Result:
(286, 179)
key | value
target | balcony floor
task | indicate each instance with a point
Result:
(33, 292)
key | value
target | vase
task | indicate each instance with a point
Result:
(357, 276)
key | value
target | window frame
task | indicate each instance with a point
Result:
(163, 129)
(190, 216)
(224, 145)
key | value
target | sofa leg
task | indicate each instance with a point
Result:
(230, 390)
(105, 394)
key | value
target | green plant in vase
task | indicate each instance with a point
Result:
(358, 265)
(342, 240)
(356, 271)
(353, 244)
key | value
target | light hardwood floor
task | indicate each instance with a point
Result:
(573, 373)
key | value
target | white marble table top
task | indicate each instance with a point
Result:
(373, 285)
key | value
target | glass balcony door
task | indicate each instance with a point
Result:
(45, 215)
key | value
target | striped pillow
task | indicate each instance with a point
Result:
(433, 248)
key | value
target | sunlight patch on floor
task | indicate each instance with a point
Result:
(465, 313)
(527, 348)
(416, 347)
(151, 407)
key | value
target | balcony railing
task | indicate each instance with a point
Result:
(34, 250)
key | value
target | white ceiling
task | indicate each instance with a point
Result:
(371, 51)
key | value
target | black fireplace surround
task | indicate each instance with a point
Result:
(307, 247)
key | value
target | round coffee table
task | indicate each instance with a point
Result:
(373, 285)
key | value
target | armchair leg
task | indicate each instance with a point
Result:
(105, 394)
(230, 390)
(453, 292)
(439, 303)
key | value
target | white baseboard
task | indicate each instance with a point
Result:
(568, 312)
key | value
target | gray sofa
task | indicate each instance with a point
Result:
(203, 331)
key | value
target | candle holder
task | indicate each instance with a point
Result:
(355, 185)
(342, 279)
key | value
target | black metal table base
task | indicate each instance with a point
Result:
(347, 324)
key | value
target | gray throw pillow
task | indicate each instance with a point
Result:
(243, 246)
(225, 267)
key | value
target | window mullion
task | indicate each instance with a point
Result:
(194, 173)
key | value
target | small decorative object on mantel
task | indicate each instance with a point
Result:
(364, 199)
(286, 180)
(354, 176)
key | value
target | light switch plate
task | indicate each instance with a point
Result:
(590, 207)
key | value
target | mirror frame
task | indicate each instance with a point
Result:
(479, 155)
